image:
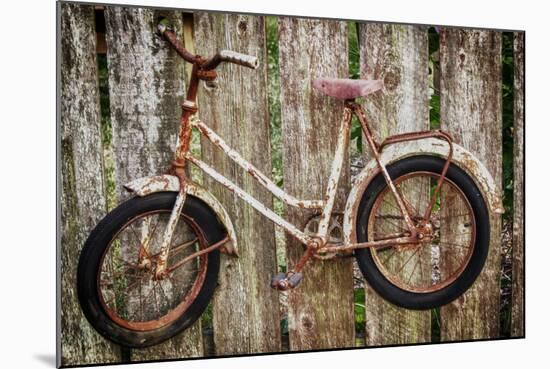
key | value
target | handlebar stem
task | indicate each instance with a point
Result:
(176, 44)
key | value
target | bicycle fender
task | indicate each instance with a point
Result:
(462, 158)
(168, 183)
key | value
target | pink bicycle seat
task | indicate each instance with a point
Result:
(347, 89)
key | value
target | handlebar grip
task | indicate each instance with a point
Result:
(161, 27)
(238, 58)
(223, 56)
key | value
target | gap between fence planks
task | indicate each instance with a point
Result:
(471, 111)
(146, 87)
(398, 55)
(321, 308)
(82, 187)
(245, 308)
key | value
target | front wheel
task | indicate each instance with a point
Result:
(118, 290)
(447, 261)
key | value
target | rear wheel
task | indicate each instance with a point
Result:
(118, 289)
(445, 263)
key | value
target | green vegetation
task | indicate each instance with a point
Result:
(508, 121)
(274, 90)
(433, 65)
(360, 314)
(356, 145)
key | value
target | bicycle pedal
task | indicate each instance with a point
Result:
(294, 280)
(276, 279)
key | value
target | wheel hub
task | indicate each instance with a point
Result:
(153, 265)
(424, 235)
(424, 232)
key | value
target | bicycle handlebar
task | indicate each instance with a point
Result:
(232, 57)
(222, 56)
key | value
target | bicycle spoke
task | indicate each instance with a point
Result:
(414, 268)
(453, 215)
(396, 225)
(150, 293)
(131, 286)
(389, 257)
(408, 205)
(129, 289)
(150, 235)
(135, 266)
(416, 192)
(175, 250)
(392, 205)
(118, 274)
(406, 262)
(134, 232)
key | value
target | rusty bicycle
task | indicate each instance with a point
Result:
(416, 219)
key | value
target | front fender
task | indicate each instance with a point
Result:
(431, 146)
(147, 185)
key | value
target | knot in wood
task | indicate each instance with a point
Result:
(392, 80)
(242, 26)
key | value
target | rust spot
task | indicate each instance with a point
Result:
(469, 164)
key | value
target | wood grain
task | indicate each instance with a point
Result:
(83, 201)
(146, 88)
(518, 245)
(246, 310)
(398, 55)
(321, 307)
(471, 111)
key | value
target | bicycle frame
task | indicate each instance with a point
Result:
(318, 242)
(326, 205)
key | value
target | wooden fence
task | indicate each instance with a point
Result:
(146, 84)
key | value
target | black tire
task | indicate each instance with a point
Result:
(95, 247)
(378, 281)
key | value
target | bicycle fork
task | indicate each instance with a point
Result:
(161, 269)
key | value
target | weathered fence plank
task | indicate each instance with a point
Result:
(518, 245)
(245, 308)
(83, 200)
(146, 87)
(471, 111)
(321, 308)
(398, 55)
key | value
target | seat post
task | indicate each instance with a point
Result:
(359, 112)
